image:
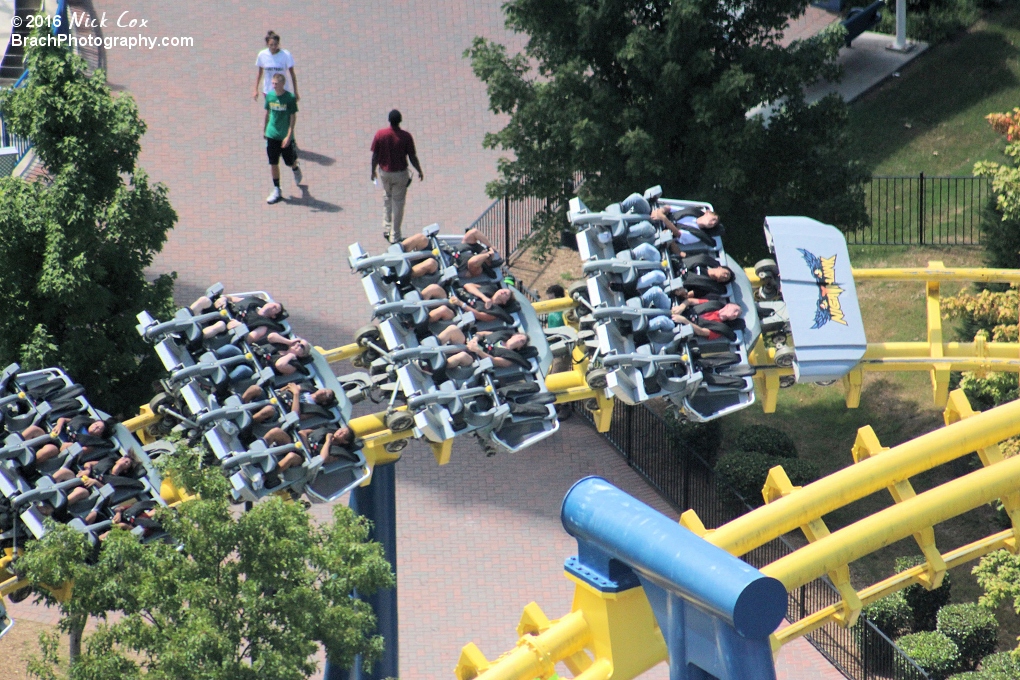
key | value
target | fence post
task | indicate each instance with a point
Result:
(506, 226)
(684, 461)
(630, 431)
(865, 648)
(920, 209)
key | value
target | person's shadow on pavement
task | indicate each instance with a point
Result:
(309, 201)
(313, 157)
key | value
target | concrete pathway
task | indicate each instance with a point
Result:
(866, 63)
(479, 538)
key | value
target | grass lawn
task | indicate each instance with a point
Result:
(931, 118)
(898, 406)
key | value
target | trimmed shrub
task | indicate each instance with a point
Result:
(891, 615)
(1000, 666)
(936, 654)
(924, 604)
(766, 440)
(972, 627)
(746, 472)
(990, 391)
(702, 439)
(1000, 237)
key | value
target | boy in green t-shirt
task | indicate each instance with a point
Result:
(281, 116)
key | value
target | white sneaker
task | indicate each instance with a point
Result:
(297, 175)
(274, 197)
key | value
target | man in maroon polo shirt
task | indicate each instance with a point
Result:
(391, 150)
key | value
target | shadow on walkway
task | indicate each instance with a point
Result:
(310, 201)
(317, 158)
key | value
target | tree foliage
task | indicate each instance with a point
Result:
(1001, 222)
(998, 574)
(227, 597)
(994, 312)
(74, 248)
(633, 93)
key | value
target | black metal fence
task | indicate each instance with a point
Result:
(506, 222)
(923, 210)
(687, 481)
(916, 210)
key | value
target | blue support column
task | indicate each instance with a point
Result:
(378, 502)
(714, 610)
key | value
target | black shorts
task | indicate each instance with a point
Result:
(275, 148)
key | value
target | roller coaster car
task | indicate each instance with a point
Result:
(201, 398)
(642, 354)
(808, 293)
(29, 491)
(508, 406)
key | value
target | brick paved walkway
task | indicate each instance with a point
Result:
(479, 538)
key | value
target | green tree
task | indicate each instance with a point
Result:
(74, 247)
(227, 596)
(632, 93)
(1001, 219)
(998, 574)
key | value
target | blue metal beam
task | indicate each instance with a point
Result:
(714, 610)
(377, 502)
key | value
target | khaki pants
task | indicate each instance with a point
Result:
(394, 186)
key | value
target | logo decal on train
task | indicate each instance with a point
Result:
(824, 271)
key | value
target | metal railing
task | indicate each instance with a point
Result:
(922, 210)
(904, 210)
(507, 222)
(687, 481)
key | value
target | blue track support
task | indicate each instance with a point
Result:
(715, 611)
(378, 502)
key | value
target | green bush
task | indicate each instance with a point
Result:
(700, 438)
(1000, 666)
(746, 472)
(936, 654)
(931, 21)
(1000, 238)
(968, 675)
(766, 440)
(891, 614)
(972, 627)
(990, 391)
(924, 604)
